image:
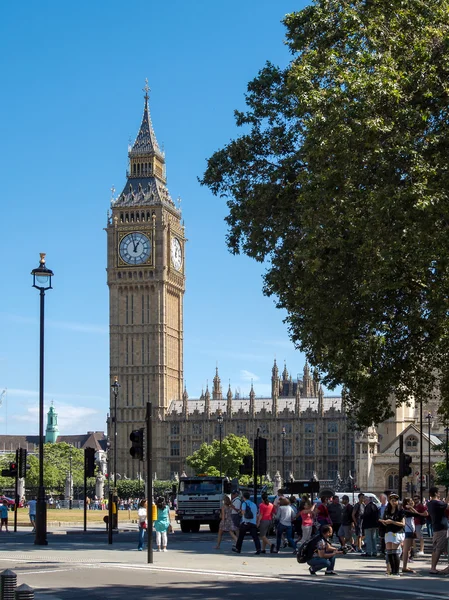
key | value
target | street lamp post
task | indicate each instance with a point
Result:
(447, 455)
(429, 423)
(421, 454)
(220, 429)
(113, 496)
(283, 455)
(70, 480)
(42, 282)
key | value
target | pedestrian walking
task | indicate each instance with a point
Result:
(4, 515)
(322, 512)
(394, 521)
(265, 521)
(370, 522)
(161, 524)
(226, 523)
(335, 510)
(284, 516)
(383, 505)
(248, 524)
(345, 531)
(236, 508)
(357, 517)
(307, 522)
(32, 512)
(410, 514)
(436, 509)
(142, 523)
(420, 521)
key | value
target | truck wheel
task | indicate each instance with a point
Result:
(194, 527)
(185, 526)
(214, 527)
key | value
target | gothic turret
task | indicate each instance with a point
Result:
(217, 393)
(320, 401)
(229, 402)
(52, 431)
(274, 380)
(207, 402)
(298, 399)
(252, 403)
(185, 398)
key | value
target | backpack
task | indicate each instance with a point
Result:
(306, 551)
(248, 514)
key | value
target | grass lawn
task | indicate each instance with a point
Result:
(64, 515)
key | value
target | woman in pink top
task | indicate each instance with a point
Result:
(307, 523)
(264, 519)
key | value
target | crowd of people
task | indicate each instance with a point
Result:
(393, 530)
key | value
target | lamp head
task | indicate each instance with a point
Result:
(41, 275)
(115, 386)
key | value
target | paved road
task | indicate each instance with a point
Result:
(78, 566)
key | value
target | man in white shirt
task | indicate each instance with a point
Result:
(236, 508)
(248, 524)
(32, 512)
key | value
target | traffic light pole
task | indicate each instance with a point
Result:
(85, 491)
(149, 457)
(16, 490)
(401, 474)
(256, 464)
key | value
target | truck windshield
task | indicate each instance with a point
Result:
(201, 487)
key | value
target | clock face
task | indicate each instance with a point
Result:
(135, 248)
(176, 253)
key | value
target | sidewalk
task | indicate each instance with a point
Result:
(195, 553)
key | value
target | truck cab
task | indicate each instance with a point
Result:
(199, 502)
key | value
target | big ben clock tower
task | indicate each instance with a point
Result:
(145, 275)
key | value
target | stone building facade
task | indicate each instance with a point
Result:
(145, 275)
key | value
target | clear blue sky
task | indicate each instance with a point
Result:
(72, 75)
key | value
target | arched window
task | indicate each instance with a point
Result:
(411, 444)
(393, 481)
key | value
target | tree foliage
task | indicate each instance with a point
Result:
(340, 182)
(207, 458)
(56, 468)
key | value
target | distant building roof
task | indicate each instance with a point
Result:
(91, 439)
(259, 404)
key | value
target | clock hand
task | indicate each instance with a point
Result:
(134, 243)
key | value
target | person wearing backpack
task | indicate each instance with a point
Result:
(248, 524)
(322, 553)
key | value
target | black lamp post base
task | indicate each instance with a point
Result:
(41, 523)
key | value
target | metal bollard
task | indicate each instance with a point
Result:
(24, 592)
(8, 584)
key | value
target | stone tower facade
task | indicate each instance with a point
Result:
(145, 275)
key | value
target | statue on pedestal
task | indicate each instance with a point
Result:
(277, 482)
(99, 485)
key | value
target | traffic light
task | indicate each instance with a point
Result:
(405, 461)
(89, 461)
(22, 462)
(136, 449)
(260, 451)
(11, 472)
(247, 467)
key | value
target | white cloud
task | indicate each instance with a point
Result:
(248, 376)
(71, 419)
(64, 325)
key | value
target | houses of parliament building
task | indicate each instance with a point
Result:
(146, 279)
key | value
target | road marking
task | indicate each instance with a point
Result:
(231, 575)
(257, 577)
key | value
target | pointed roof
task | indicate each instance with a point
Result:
(146, 142)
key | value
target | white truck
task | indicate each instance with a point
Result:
(199, 502)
